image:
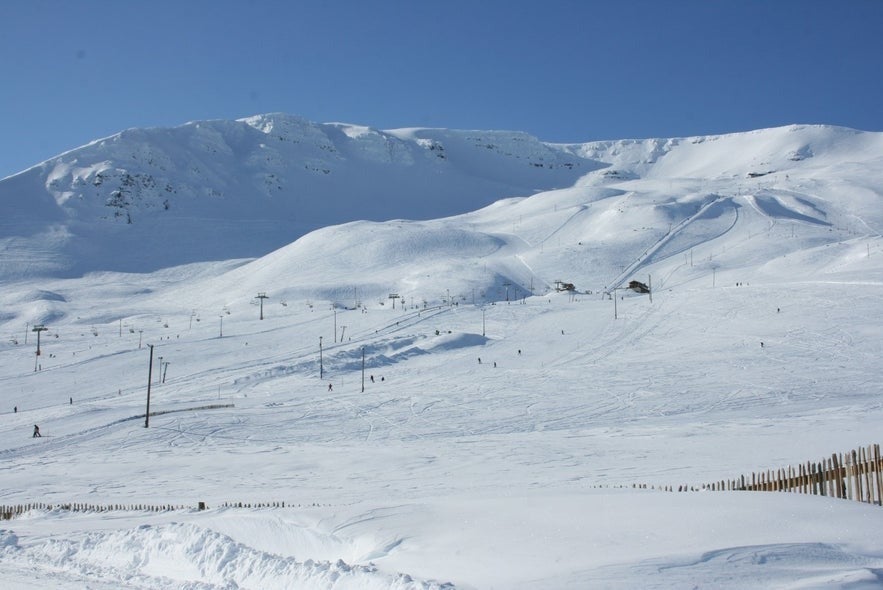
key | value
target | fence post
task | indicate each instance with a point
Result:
(811, 471)
(857, 472)
(823, 480)
(847, 476)
(866, 467)
(829, 475)
(857, 461)
(803, 479)
(862, 473)
(835, 483)
(878, 465)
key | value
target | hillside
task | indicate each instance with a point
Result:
(214, 190)
(147, 199)
(502, 433)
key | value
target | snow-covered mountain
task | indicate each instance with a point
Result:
(480, 428)
(146, 199)
(213, 190)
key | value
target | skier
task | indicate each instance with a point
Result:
(329, 387)
(36, 432)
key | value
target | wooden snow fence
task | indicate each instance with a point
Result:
(855, 475)
(8, 512)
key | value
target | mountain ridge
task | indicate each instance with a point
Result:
(268, 179)
(145, 199)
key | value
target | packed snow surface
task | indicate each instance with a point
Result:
(361, 362)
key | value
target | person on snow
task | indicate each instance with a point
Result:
(37, 431)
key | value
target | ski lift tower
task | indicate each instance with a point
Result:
(38, 328)
(261, 297)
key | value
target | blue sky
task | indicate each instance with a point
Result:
(562, 70)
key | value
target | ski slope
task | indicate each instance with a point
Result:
(537, 466)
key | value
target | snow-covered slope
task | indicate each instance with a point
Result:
(214, 190)
(485, 442)
(615, 222)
